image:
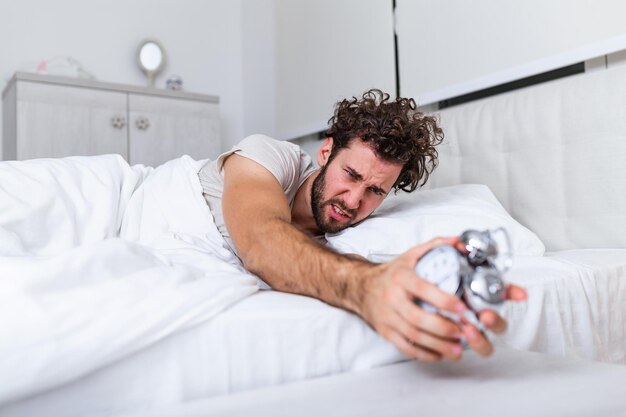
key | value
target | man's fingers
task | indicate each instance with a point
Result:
(447, 346)
(409, 348)
(476, 340)
(493, 321)
(432, 323)
(412, 255)
(515, 293)
(430, 293)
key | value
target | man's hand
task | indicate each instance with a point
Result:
(390, 309)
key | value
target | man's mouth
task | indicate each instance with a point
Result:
(337, 213)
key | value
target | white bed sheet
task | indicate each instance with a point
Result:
(576, 305)
(551, 386)
(267, 339)
(76, 295)
(575, 309)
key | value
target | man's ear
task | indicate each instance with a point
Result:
(324, 153)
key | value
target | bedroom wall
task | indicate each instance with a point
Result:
(259, 66)
(327, 50)
(300, 56)
(483, 43)
(203, 40)
(225, 47)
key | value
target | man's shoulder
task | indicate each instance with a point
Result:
(267, 141)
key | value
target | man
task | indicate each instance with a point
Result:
(273, 208)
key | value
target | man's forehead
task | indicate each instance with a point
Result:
(361, 157)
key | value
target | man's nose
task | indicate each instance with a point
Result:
(353, 198)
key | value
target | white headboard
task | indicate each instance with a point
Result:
(554, 154)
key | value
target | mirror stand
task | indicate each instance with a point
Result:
(151, 59)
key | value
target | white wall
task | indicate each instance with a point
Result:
(327, 50)
(268, 58)
(259, 66)
(301, 56)
(203, 40)
(265, 59)
(452, 47)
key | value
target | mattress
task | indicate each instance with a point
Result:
(575, 309)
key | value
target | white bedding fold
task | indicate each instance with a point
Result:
(48, 206)
(73, 296)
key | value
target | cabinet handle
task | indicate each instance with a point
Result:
(118, 121)
(142, 123)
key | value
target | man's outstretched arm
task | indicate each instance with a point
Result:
(258, 219)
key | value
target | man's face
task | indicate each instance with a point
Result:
(351, 186)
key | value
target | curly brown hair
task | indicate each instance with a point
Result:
(394, 129)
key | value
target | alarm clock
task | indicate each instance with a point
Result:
(472, 273)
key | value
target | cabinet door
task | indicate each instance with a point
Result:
(163, 128)
(57, 121)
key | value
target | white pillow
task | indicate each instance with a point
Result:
(406, 220)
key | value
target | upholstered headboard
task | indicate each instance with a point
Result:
(554, 154)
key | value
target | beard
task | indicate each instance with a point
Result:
(329, 225)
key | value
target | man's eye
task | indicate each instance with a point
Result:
(350, 173)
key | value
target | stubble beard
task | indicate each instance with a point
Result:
(317, 206)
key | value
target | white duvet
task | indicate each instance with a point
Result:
(99, 260)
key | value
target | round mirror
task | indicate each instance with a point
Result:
(151, 59)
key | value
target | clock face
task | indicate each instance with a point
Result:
(442, 267)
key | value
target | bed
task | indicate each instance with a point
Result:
(154, 311)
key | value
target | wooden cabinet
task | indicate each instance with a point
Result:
(46, 116)
(161, 128)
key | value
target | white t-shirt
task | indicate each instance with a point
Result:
(287, 162)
